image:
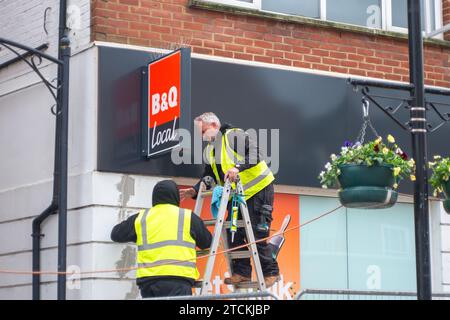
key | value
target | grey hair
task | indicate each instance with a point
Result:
(209, 118)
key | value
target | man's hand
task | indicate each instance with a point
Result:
(187, 193)
(232, 174)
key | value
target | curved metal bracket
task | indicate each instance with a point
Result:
(388, 110)
(34, 62)
(404, 102)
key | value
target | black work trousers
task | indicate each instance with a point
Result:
(268, 264)
(165, 288)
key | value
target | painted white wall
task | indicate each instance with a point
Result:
(445, 248)
(27, 133)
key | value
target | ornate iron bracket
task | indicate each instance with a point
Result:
(404, 103)
(35, 60)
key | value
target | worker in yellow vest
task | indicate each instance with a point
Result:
(231, 152)
(166, 237)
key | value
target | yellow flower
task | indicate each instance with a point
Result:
(378, 141)
(395, 185)
(435, 193)
(396, 171)
(448, 169)
(437, 157)
(413, 177)
(390, 139)
(445, 178)
(385, 150)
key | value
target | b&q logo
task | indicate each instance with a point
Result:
(163, 109)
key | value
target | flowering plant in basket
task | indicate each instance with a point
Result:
(440, 177)
(373, 153)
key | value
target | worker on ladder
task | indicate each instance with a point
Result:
(166, 236)
(231, 153)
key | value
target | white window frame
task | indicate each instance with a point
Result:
(386, 13)
(323, 10)
(428, 29)
(255, 4)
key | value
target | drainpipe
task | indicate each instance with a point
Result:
(63, 181)
(59, 198)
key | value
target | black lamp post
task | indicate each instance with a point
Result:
(418, 122)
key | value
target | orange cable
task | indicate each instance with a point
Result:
(5, 271)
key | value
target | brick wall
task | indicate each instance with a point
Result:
(158, 23)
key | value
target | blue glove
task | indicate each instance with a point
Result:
(215, 200)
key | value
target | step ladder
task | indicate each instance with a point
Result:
(220, 231)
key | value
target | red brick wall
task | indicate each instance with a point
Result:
(158, 23)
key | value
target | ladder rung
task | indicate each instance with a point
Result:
(212, 222)
(247, 285)
(206, 194)
(240, 254)
(202, 252)
(210, 192)
(240, 224)
(242, 285)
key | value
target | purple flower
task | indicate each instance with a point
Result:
(348, 144)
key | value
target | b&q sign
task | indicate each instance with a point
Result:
(164, 102)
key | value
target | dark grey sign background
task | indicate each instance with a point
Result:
(315, 115)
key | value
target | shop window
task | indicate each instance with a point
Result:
(355, 248)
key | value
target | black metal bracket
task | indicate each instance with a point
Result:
(404, 103)
(60, 93)
(35, 60)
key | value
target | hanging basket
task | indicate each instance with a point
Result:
(447, 205)
(367, 187)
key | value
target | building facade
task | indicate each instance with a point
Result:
(284, 63)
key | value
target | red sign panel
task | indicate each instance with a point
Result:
(163, 107)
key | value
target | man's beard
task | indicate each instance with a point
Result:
(208, 139)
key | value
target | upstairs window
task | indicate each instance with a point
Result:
(390, 15)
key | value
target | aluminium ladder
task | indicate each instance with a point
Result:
(220, 231)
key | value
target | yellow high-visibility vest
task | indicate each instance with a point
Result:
(165, 245)
(253, 179)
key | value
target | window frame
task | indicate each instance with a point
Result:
(428, 27)
(386, 14)
(255, 4)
